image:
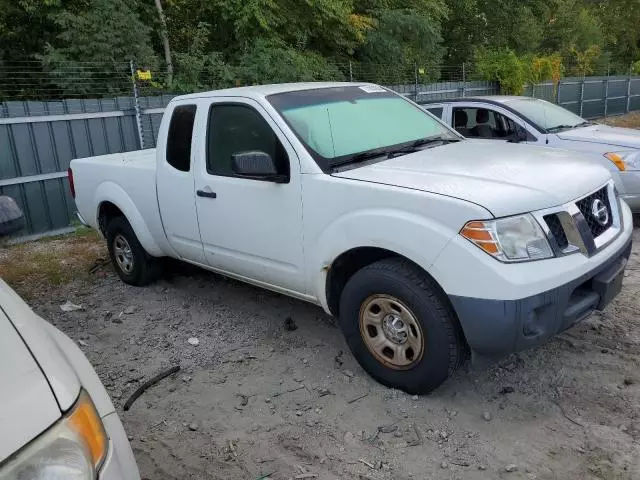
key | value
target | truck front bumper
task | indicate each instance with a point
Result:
(494, 328)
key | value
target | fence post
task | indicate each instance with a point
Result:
(415, 72)
(533, 89)
(558, 91)
(350, 71)
(464, 79)
(628, 106)
(582, 95)
(606, 91)
(136, 104)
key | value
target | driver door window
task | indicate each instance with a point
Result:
(237, 129)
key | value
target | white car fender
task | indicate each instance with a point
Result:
(83, 369)
(111, 192)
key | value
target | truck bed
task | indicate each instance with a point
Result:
(106, 176)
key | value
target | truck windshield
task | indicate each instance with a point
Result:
(547, 116)
(343, 125)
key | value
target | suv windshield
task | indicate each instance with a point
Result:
(343, 125)
(547, 116)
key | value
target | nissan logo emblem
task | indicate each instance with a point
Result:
(600, 212)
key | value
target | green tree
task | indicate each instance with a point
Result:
(90, 52)
(401, 39)
(275, 62)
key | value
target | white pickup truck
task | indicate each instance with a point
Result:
(425, 245)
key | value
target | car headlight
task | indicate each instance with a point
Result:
(510, 239)
(629, 160)
(73, 449)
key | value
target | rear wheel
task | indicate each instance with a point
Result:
(130, 260)
(399, 328)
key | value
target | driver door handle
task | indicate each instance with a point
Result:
(203, 193)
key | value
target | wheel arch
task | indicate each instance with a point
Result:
(349, 262)
(112, 201)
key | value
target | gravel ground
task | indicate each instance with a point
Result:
(255, 397)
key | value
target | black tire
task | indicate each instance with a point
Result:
(444, 346)
(144, 268)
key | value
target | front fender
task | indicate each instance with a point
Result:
(596, 151)
(415, 237)
(111, 192)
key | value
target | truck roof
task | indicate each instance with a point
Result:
(260, 91)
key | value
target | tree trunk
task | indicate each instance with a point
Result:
(165, 42)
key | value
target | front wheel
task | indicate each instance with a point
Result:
(399, 328)
(130, 260)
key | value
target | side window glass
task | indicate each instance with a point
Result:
(462, 118)
(505, 128)
(484, 123)
(238, 128)
(179, 137)
(436, 111)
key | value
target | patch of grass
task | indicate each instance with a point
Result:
(51, 261)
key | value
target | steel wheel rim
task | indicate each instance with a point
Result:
(391, 332)
(123, 254)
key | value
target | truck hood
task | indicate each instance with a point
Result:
(505, 179)
(616, 136)
(27, 404)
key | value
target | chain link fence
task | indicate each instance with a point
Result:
(50, 115)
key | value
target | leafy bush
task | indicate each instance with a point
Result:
(503, 66)
(515, 72)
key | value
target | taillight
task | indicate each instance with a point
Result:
(72, 187)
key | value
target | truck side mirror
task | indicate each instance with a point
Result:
(257, 165)
(11, 217)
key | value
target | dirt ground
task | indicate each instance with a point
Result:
(256, 400)
(630, 120)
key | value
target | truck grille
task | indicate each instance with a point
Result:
(596, 211)
(587, 224)
(555, 227)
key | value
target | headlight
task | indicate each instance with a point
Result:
(73, 449)
(511, 239)
(625, 160)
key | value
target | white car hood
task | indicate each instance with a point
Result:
(35, 333)
(604, 134)
(27, 404)
(505, 179)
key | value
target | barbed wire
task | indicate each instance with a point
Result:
(41, 81)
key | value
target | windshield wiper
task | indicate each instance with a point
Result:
(360, 157)
(558, 128)
(421, 142)
(393, 152)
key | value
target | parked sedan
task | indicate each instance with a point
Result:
(56, 418)
(538, 122)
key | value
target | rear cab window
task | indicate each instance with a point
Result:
(179, 137)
